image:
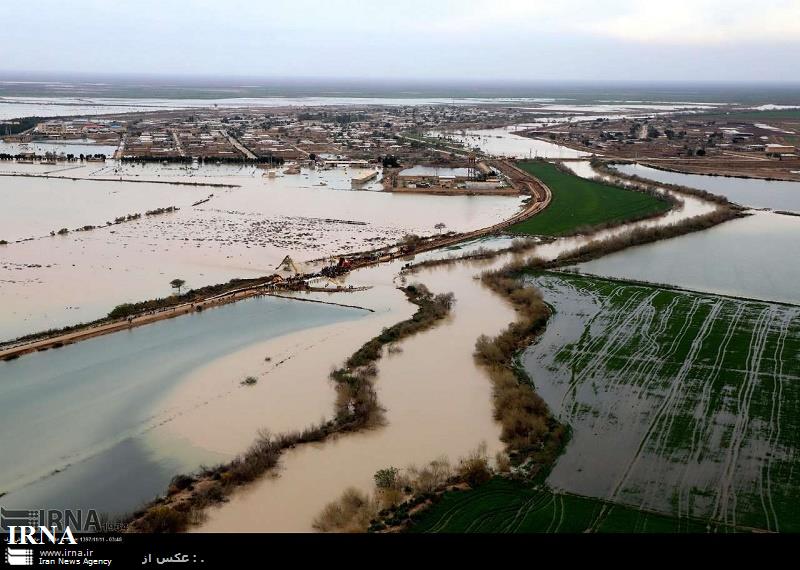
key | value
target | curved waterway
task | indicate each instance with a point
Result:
(750, 257)
(752, 192)
(505, 142)
(438, 402)
(94, 411)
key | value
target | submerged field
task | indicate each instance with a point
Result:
(579, 203)
(680, 403)
(684, 403)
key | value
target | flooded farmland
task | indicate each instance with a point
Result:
(179, 414)
(240, 231)
(12, 107)
(680, 403)
(434, 365)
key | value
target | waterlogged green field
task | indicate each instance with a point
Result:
(507, 506)
(682, 403)
(580, 203)
(685, 416)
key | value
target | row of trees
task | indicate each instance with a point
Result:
(16, 126)
(50, 155)
(267, 159)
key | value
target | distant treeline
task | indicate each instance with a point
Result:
(69, 157)
(19, 125)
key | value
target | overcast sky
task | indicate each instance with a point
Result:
(525, 40)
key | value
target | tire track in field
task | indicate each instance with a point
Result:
(726, 499)
(612, 343)
(447, 516)
(647, 357)
(668, 403)
(640, 364)
(563, 513)
(585, 345)
(617, 319)
(654, 372)
(776, 409)
(654, 375)
(680, 389)
(608, 345)
(702, 425)
(537, 503)
(752, 392)
(575, 350)
(554, 517)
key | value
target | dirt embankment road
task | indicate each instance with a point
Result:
(153, 316)
(92, 331)
(540, 199)
(523, 182)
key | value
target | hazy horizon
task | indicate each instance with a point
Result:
(525, 41)
(168, 86)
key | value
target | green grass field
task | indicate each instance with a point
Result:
(580, 203)
(503, 506)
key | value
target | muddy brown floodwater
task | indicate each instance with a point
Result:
(242, 231)
(438, 402)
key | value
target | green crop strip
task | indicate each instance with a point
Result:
(578, 203)
(505, 506)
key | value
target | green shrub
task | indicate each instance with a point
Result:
(386, 478)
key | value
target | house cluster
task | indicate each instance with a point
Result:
(667, 136)
(99, 130)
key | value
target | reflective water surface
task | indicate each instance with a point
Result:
(753, 257)
(93, 411)
(773, 194)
